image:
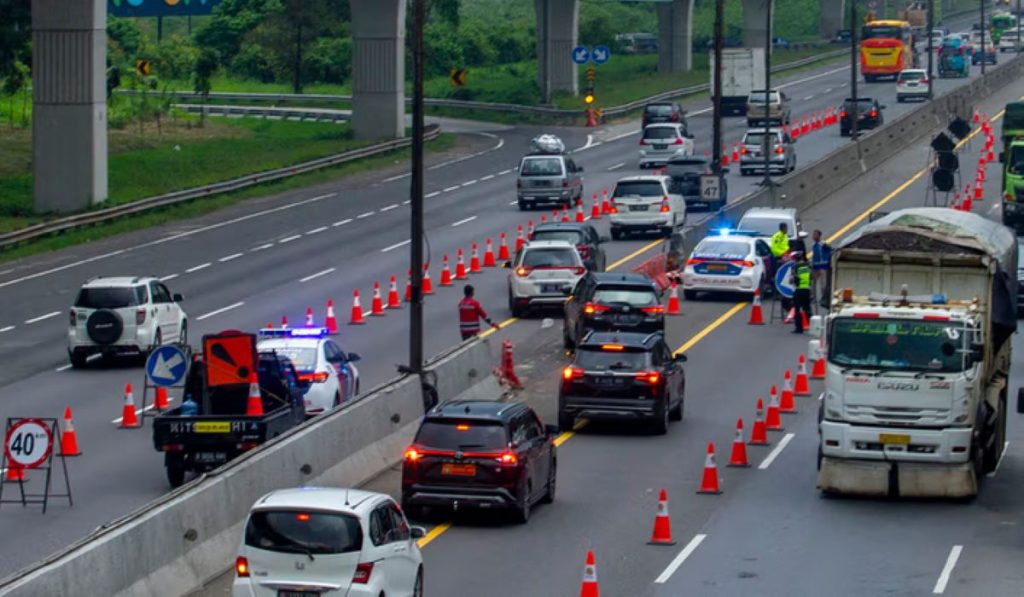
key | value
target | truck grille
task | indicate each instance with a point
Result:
(898, 416)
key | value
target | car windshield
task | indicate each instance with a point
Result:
(661, 132)
(759, 138)
(304, 358)
(541, 167)
(659, 109)
(897, 344)
(451, 434)
(556, 257)
(911, 76)
(571, 236)
(296, 531)
(757, 97)
(1016, 160)
(722, 248)
(880, 32)
(110, 298)
(635, 297)
(761, 225)
(596, 359)
(642, 188)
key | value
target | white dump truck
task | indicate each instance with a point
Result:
(917, 344)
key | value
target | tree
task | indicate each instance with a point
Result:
(15, 34)
(202, 72)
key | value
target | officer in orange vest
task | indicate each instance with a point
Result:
(470, 314)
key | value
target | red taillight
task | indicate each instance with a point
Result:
(579, 270)
(842, 114)
(694, 261)
(572, 373)
(362, 574)
(314, 377)
(242, 567)
(172, 447)
(675, 117)
(612, 207)
(651, 377)
(654, 310)
(742, 263)
(583, 250)
(508, 458)
(678, 141)
(411, 455)
(302, 517)
(743, 150)
(925, 81)
(643, 141)
(591, 308)
(874, 112)
(140, 316)
(74, 318)
(936, 317)
(780, 150)
(522, 272)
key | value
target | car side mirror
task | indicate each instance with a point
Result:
(680, 358)
(507, 265)
(176, 297)
(551, 429)
(353, 357)
(802, 234)
(417, 532)
(579, 168)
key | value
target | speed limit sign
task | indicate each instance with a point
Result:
(29, 442)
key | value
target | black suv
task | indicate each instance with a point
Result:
(867, 110)
(663, 112)
(612, 301)
(623, 375)
(480, 454)
(584, 236)
(684, 174)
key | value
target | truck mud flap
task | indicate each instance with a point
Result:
(896, 479)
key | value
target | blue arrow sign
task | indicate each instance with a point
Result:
(580, 55)
(600, 54)
(166, 366)
(783, 280)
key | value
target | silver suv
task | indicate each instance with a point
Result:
(123, 316)
(776, 142)
(548, 178)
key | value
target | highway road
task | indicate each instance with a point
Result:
(249, 264)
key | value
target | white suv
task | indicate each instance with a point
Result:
(641, 203)
(123, 315)
(544, 272)
(320, 540)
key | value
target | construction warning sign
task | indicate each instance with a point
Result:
(230, 358)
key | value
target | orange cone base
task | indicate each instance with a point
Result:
(15, 474)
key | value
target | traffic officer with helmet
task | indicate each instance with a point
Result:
(801, 279)
(470, 314)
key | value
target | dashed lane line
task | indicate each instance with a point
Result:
(227, 258)
(341, 222)
(262, 247)
(316, 230)
(463, 221)
(947, 570)
(219, 311)
(488, 177)
(450, 189)
(199, 267)
(168, 277)
(432, 195)
(469, 183)
(139, 411)
(680, 558)
(316, 275)
(289, 239)
(775, 452)
(364, 215)
(395, 246)
(6, 329)
(42, 318)
(389, 207)
(616, 166)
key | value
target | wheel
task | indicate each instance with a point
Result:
(417, 587)
(549, 495)
(337, 400)
(676, 414)
(522, 511)
(175, 470)
(616, 234)
(660, 423)
(183, 333)
(994, 448)
(689, 294)
(78, 359)
(844, 132)
(899, 100)
(667, 231)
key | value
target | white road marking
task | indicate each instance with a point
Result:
(289, 239)
(513, 202)
(63, 368)
(463, 221)
(828, 90)
(590, 143)
(809, 97)
(316, 275)
(634, 132)
(450, 189)
(262, 247)
(198, 267)
(940, 584)
(504, 172)
(434, 194)
(499, 145)
(616, 166)
(679, 559)
(6, 329)
(469, 183)
(395, 246)
(389, 207)
(93, 357)
(42, 317)
(488, 177)
(775, 452)
(227, 258)
(364, 215)
(397, 177)
(316, 230)
(406, 202)
(219, 311)
(341, 222)
(139, 411)
(168, 277)
(1006, 446)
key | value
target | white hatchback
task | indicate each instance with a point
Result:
(314, 541)
(912, 82)
(644, 203)
(543, 273)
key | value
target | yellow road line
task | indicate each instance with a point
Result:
(710, 328)
(639, 251)
(433, 533)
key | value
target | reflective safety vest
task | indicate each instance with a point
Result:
(802, 274)
(780, 244)
(470, 314)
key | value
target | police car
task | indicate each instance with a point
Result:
(319, 360)
(730, 261)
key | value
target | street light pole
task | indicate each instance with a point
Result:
(716, 127)
(931, 49)
(981, 25)
(853, 69)
(765, 148)
(416, 195)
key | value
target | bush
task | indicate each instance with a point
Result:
(329, 61)
(477, 47)
(442, 48)
(254, 61)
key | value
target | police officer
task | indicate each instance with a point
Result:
(779, 246)
(801, 278)
(470, 314)
(821, 269)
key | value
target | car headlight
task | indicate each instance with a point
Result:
(961, 408)
(832, 408)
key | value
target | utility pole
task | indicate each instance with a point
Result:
(716, 136)
(766, 149)
(1017, 45)
(545, 61)
(416, 195)
(853, 69)
(981, 4)
(931, 48)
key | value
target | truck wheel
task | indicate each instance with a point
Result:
(1020, 400)
(175, 470)
(994, 450)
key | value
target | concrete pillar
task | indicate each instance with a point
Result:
(831, 18)
(754, 32)
(675, 39)
(559, 21)
(69, 111)
(378, 68)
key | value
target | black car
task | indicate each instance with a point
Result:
(612, 301)
(480, 454)
(623, 375)
(684, 174)
(867, 110)
(663, 112)
(588, 242)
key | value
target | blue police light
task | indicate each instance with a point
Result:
(293, 333)
(939, 299)
(723, 231)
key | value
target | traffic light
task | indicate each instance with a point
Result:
(588, 96)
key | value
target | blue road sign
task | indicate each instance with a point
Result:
(580, 55)
(783, 280)
(600, 54)
(166, 366)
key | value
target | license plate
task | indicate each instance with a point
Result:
(459, 470)
(637, 208)
(894, 438)
(288, 593)
(211, 457)
(213, 427)
(551, 288)
(659, 147)
(608, 381)
(717, 267)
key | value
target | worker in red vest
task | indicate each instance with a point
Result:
(470, 314)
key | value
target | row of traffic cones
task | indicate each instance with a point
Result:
(975, 191)
(810, 123)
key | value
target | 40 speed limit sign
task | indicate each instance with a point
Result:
(29, 442)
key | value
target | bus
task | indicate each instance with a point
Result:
(886, 48)
(1001, 22)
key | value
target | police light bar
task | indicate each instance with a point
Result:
(293, 333)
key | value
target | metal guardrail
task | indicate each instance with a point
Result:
(90, 218)
(267, 112)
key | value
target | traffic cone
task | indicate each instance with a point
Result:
(756, 315)
(489, 253)
(377, 304)
(991, 154)
(773, 422)
(735, 152)
(802, 388)
(68, 439)
(606, 206)
(804, 323)
(725, 155)
(331, 322)
(738, 458)
(129, 418)
(428, 286)
(160, 400)
(673, 300)
(978, 189)
(254, 405)
(818, 370)
(529, 228)
(795, 133)
(595, 209)
(520, 240)
(309, 317)
(474, 261)
(579, 212)
(790, 315)
(357, 309)
(565, 214)
(758, 433)
(503, 254)
(16, 474)
(446, 272)
(284, 322)
(393, 301)
(662, 534)
(786, 403)
(709, 482)
(460, 266)
(977, 118)
(805, 127)
(589, 586)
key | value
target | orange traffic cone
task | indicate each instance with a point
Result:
(520, 239)
(460, 266)
(802, 387)
(428, 286)
(756, 315)
(68, 439)
(738, 458)
(673, 300)
(377, 304)
(446, 272)
(408, 286)
(357, 309)
(589, 586)
(735, 152)
(758, 434)
(284, 322)
(489, 253)
(804, 323)
(254, 405)
(565, 214)
(160, 400)
(709, 482)
(529, 228)
(393, 301)
(662, 534)
(773, 422)
(503, 253)
(129, 418)
(595, 209)
(331, 321)
(474, 261)
(16, 474)
(579, 212)
(786, 402)
(818, 370)
(725, 155)
(309, 317)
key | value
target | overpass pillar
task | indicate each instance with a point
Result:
(754, 26)
(675, 38)
(69, 104)
(557, 35)
(831, 18)
(378, 68)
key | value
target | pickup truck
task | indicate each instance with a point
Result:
(220, 429)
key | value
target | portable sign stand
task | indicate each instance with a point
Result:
(783, 289)
(165, 368)
(29, 444)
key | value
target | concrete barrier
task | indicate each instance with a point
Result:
(189, 536)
